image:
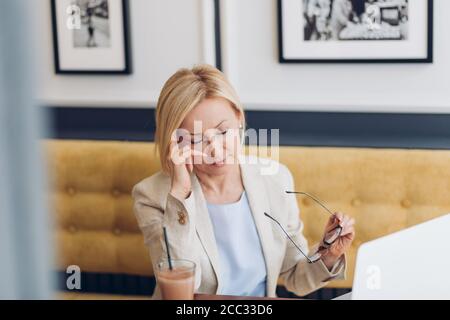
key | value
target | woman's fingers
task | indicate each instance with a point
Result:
(339, 216)
(344, 221)
(334, 221)
(173, 149)
(348, 227)
(182, 153)
(338, 219)
(187, 155)
(347, 233)
(196, 152)
(190, 164)
(190, 156)
(177, 156)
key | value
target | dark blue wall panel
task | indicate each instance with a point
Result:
(339, 129)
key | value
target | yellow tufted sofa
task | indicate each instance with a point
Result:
(95, 228)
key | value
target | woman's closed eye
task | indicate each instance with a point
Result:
(201, 139)
(196, 141)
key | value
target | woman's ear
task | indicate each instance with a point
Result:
(239, 117)
(242, 134)
(241, 127)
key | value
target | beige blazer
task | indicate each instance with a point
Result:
(192, 237)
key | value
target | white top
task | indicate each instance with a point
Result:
(242, 263)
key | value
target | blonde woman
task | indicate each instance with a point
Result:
(212, 199)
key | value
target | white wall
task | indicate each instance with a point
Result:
(264, 83)
(167, 34)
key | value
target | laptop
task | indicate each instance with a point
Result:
(411, 264)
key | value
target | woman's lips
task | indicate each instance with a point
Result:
(219, 163)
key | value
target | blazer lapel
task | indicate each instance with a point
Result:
(257, 196)
(205, 230)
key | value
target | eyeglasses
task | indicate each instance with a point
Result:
(214, 134)
(207, 139)
(329, 238)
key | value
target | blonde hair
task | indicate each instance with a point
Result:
(182, 92)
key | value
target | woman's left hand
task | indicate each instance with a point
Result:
(331, 255)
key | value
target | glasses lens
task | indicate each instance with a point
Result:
(332, 235)
(315, 257)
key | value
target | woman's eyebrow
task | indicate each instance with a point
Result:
(192, 134)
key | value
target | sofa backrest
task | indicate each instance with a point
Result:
(386, 190)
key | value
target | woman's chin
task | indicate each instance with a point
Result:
(218, 167)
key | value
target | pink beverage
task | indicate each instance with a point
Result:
(178, 283)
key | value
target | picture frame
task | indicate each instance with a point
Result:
(91, 37)
(384, 34)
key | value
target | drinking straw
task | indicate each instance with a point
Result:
(167, 248)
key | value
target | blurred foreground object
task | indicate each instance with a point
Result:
(25, 256)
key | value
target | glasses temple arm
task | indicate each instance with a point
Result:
(289, 237)
(312, 197)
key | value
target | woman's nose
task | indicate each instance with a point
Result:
(214, 145)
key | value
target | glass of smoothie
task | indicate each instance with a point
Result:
(176, 283)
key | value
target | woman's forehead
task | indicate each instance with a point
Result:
(212, 106)
(209, 114)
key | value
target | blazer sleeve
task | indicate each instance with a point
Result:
(151, 220)
(300, 276)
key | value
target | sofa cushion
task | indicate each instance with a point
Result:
(386, 190)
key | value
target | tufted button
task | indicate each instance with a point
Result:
(306, 202)
(72, 229)
(356, 202)
(115, 193)
(71, 191)
(406, 203)
(117, 231)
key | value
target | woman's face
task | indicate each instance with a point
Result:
(212, 127)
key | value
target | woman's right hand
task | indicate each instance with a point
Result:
(181, 167)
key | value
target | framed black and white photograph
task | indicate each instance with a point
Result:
(355, 31)
(91, 36)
